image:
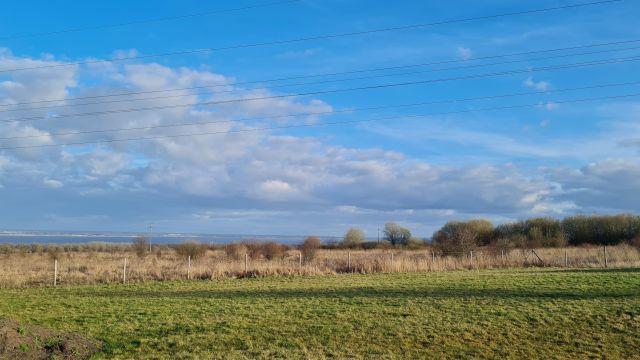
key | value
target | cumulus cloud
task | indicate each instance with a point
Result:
(606, 185)
(229, 173)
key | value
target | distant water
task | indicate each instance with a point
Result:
(27, 237)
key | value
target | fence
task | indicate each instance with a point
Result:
(38, 269)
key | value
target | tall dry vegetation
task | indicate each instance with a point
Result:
(36, 269)
(572, 242)
(191, 249)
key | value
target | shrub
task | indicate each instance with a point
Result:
(191, 248)
(310, 247)
(236, 251)
(273, 250)
(415, 243)
(54, 252)
(370, 245)
(353, 238)
(483, 229)
(141, 246)
(456, 238)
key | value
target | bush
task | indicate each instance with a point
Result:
(370, 245)
(273, 250)
(191, 248)
(353, 238)
(140, 246)
(54, 252)
(483, 229)
(415, 243)
(236, 251)
(456, 238)
(310, 247)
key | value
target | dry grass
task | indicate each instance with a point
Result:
(36, 269)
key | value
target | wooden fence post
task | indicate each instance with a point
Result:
(124, 272)
(300, 259)
(471, 257)
(502, 257)
(189, 268)
(246, 263)
(55, 272)
(391, 261)
(606, 261)
(349, 260)
(566, 259)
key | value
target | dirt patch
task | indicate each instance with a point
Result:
(19, 341)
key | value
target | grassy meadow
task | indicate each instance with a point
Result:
(516, 313)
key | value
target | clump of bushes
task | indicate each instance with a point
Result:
(415, 243)
(456, 238)
(191, 248)
(382, 244)
(273, 250)
(236, 250)
(459, 237)
(256, 250)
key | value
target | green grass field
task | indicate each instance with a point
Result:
(480, 314)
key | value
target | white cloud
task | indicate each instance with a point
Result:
(538, 85)
(259, 175)
(298, 54)
(276, 190)
(464, 53)
(52, 184)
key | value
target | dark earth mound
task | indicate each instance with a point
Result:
(19, 341)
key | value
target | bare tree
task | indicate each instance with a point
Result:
(396, 234)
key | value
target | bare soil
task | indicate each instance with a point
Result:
(18, 341)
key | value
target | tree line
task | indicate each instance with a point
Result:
(458, 237)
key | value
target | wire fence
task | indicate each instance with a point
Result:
(67, 268)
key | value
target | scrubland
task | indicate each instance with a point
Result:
(20, 269)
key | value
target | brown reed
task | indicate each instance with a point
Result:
(22, 269)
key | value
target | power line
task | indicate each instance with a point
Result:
(333, 112)
(138, 22)
(320, 37)
(324, 81)
(329, 74)
(322, 124)
(371, 87)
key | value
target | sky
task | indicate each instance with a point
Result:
(501, 118)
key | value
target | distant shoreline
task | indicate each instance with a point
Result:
(24, 238)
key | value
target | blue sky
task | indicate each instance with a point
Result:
(550, 157)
